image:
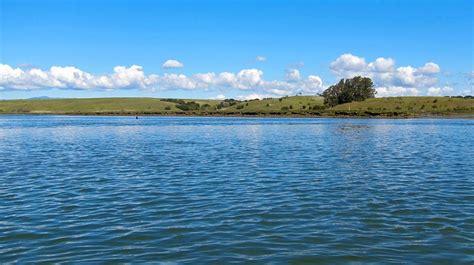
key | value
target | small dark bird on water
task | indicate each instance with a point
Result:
(136, 117)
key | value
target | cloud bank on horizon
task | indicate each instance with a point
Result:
(389, 79)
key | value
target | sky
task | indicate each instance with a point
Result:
(233, 49)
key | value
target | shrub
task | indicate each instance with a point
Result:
(318, 107)
(191, 105)
(206, 107)
(227, 103)
(174, 100)
(167, 108)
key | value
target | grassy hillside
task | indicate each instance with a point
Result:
(82, 106)
(297, 105)
(407, 106)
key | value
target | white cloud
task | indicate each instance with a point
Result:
(429, 68)
(73, 78)
(260, 58)
(249, 78)
(254, 96)
(172, 64)
(313, 82)
(405, 76)
(134, 77)
(220, 97)
(388, 79)
(293, 75)
(397, 91)
(382, 65)
(348, 64)
(440, 91)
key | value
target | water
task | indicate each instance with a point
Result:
(223, 190)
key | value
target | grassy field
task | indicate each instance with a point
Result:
(296, 105)
(86, 106)
(407, 106)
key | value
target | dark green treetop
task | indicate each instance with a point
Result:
(348, 90)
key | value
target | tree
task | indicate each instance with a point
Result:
(348, 90)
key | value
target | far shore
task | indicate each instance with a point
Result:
(286, 107)
(233, 115)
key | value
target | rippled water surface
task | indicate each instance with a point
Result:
(222, 190)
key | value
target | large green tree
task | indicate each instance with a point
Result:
(348, 90)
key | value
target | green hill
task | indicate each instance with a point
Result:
(296, 105)
(407, 106)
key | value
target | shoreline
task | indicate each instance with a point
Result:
(220, 115)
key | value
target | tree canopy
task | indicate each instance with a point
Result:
(348, 90)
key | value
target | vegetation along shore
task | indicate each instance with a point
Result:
(286, 106)
(350, 97)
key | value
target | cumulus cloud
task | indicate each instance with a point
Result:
(172, 64)
(388, 79)
(429, 68)
(134, 77)
(293, 75)
(382, 65)
(260, 58)
(248, 78)
(348, 64)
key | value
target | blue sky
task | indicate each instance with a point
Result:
(300, 41)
